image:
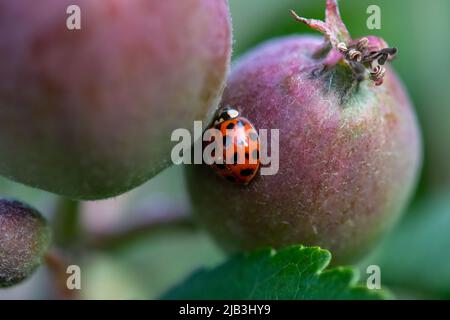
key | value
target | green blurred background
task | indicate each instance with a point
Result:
(144, 262)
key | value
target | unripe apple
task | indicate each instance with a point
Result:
(24, 239)
(88, 113)
(349, 146)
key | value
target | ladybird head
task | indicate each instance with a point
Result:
(226, 113)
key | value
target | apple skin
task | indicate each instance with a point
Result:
(24, 239)
(89, 113)
(346, 170)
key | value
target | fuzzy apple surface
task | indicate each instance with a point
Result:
(88, 113)
(349, 153)
(24, 239)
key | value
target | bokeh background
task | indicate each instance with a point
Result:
(138, 245)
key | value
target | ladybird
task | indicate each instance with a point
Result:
(241, 147)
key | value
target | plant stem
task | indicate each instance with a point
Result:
(66, 223)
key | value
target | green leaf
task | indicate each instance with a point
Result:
(292, 273)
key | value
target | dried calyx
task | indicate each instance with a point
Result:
(361, 57)
(366, 56)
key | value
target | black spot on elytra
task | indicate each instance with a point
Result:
(247, 156)
(221, 166)
(226, 141)
(247, 172)
(230, 178)
(235, 158)
(230, 126)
